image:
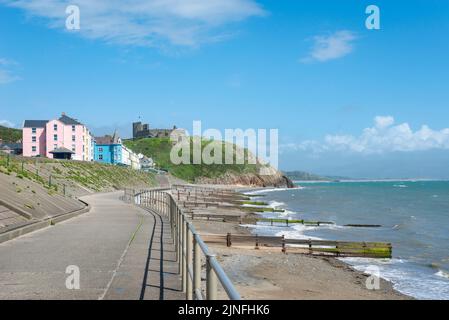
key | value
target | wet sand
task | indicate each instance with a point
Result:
(270, 274)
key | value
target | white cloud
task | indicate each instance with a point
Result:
(6, 123)
(147, 22)
(383, 137)
(6, 75)
(333, 46)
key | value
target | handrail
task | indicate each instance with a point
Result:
(188, 246)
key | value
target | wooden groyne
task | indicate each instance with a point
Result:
(312, 247)
(225, 205)
(288, 222)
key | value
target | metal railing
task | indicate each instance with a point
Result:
(189, 247)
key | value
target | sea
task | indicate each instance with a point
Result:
(413, 214)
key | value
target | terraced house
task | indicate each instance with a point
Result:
(109, 149)
(62, 138)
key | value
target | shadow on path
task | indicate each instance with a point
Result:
(161, 280)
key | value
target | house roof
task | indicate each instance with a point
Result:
(103, 140)
(35, 123)
(62, 150)
(67, 120)
(108, 139)
(10, 146)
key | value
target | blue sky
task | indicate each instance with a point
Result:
(309, 68)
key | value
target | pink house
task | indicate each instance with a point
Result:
(60, 138)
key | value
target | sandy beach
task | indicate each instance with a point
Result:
(271, 274)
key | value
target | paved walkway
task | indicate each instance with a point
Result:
(123, 252)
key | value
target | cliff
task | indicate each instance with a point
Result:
(277, 180)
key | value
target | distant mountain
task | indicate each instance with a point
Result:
(10, 135)
(306, 176)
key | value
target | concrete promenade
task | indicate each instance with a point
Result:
(122, 251)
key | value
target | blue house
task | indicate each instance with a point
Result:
(108, 149)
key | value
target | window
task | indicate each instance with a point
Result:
(100, 149)
(73, 128)
(33, 130)
(33, 148)
(55, 137)
(73, 138)
(100, 157)
(33, 138)
(55, 146)
(55, 127)
(73, 148)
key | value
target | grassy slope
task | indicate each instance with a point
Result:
(10, 134)
(159, 149)
(90, 175)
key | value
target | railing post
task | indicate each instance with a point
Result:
(189, 244)
(211, 279)
(196, 265)
(183, 254)
(179, 232)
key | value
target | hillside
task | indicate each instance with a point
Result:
(244, 174)
(10, 135)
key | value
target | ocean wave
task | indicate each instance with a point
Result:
(275, 204)
(400, 186)
(442, 274)
(261, 191)
(297, 233)
(405, 278)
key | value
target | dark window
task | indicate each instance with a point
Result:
(55, 137)
(73, 128)
(55, 127)
(33, 148)
(33, 139)
(73, 138)
(100, 157)
(33, 130)
(100, 149)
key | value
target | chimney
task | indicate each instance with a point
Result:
(63, 114)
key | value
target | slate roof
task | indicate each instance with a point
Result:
(67, 120)
(108, 139)
(103, 140)
(35, 123)
(11, 146)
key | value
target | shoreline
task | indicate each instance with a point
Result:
(271, 274)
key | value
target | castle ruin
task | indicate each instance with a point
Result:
(141, 130)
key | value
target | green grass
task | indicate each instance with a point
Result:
(92, 175)
(10, 135)
(159, 150)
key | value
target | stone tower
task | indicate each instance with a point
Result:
(137, 127)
